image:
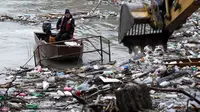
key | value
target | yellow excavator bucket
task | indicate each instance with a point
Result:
(135, 28)
(142, 25)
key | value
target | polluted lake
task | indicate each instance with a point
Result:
(104, 77)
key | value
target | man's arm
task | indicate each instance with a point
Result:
(58, 24)
(72, 28)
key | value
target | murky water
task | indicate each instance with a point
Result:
(16, 43)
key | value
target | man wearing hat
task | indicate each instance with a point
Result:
(66, 26)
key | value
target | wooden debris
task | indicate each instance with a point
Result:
(183, 62)
(176, 90)
(172, 76)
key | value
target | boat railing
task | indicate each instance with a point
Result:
(94, 44)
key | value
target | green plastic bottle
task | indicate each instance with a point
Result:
(32, 106)
(36, 94)
(2, 98)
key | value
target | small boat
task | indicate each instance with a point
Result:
(61, 50)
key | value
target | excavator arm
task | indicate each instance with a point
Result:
(142, 24)
(179, 12)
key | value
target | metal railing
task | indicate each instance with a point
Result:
(97, 44)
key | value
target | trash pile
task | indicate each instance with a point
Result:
(152, 81)
(94, 87)
(36, 19)
(86, 88)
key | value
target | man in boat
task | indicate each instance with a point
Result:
(66, 26)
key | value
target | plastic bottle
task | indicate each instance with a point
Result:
(70, 83)
(67, 89)
(4, 109)
(83, 87)
(60, 73)
(36, 94)
(60, 93)
(96, 67)
(11, 91)
(45, 85)
(107, 72)
(194, 70)
(38, 68)
(22, 94)
(51, 79)
(38, 85)
(31, 106)
(78, 93)
(67, 93)
(2, 98)
(164, 84)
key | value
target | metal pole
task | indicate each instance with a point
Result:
(101, 49)
(34, 57)
(39, 55)
(109, 50)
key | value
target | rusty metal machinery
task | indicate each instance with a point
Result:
(142, 24)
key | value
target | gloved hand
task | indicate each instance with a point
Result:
(71, 37)
(57, 28)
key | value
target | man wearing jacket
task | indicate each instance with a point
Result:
(66, 26)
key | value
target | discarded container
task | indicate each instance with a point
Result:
(78, 93)
(11, 91)
(171, 96)
(38, 68)
(70, 83)
(45, 69)
(59, 92)
(60, 73)
(14, 105)
(2, 98)
(32, 106)
(32, 73)
(54, 95)
(194, 69)
(4, 109)
(36, 94)
(51, 79)
(22, 94)
(126, 67)
(31, 90)
(83, 87)
(30, 97)
(45, 85)
(164, 84)
(107, 72)
(109, 80)
(67, 89)
(67, 93)
(39, 85)
(147, 80)
(47, 73)
(86, 68)
(96, 67)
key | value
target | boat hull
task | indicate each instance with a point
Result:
(56, 51)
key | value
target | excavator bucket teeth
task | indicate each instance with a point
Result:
(150, 38)
(136, 29)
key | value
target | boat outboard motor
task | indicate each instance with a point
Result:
(46, 27)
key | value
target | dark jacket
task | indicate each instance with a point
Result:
(66, 25)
